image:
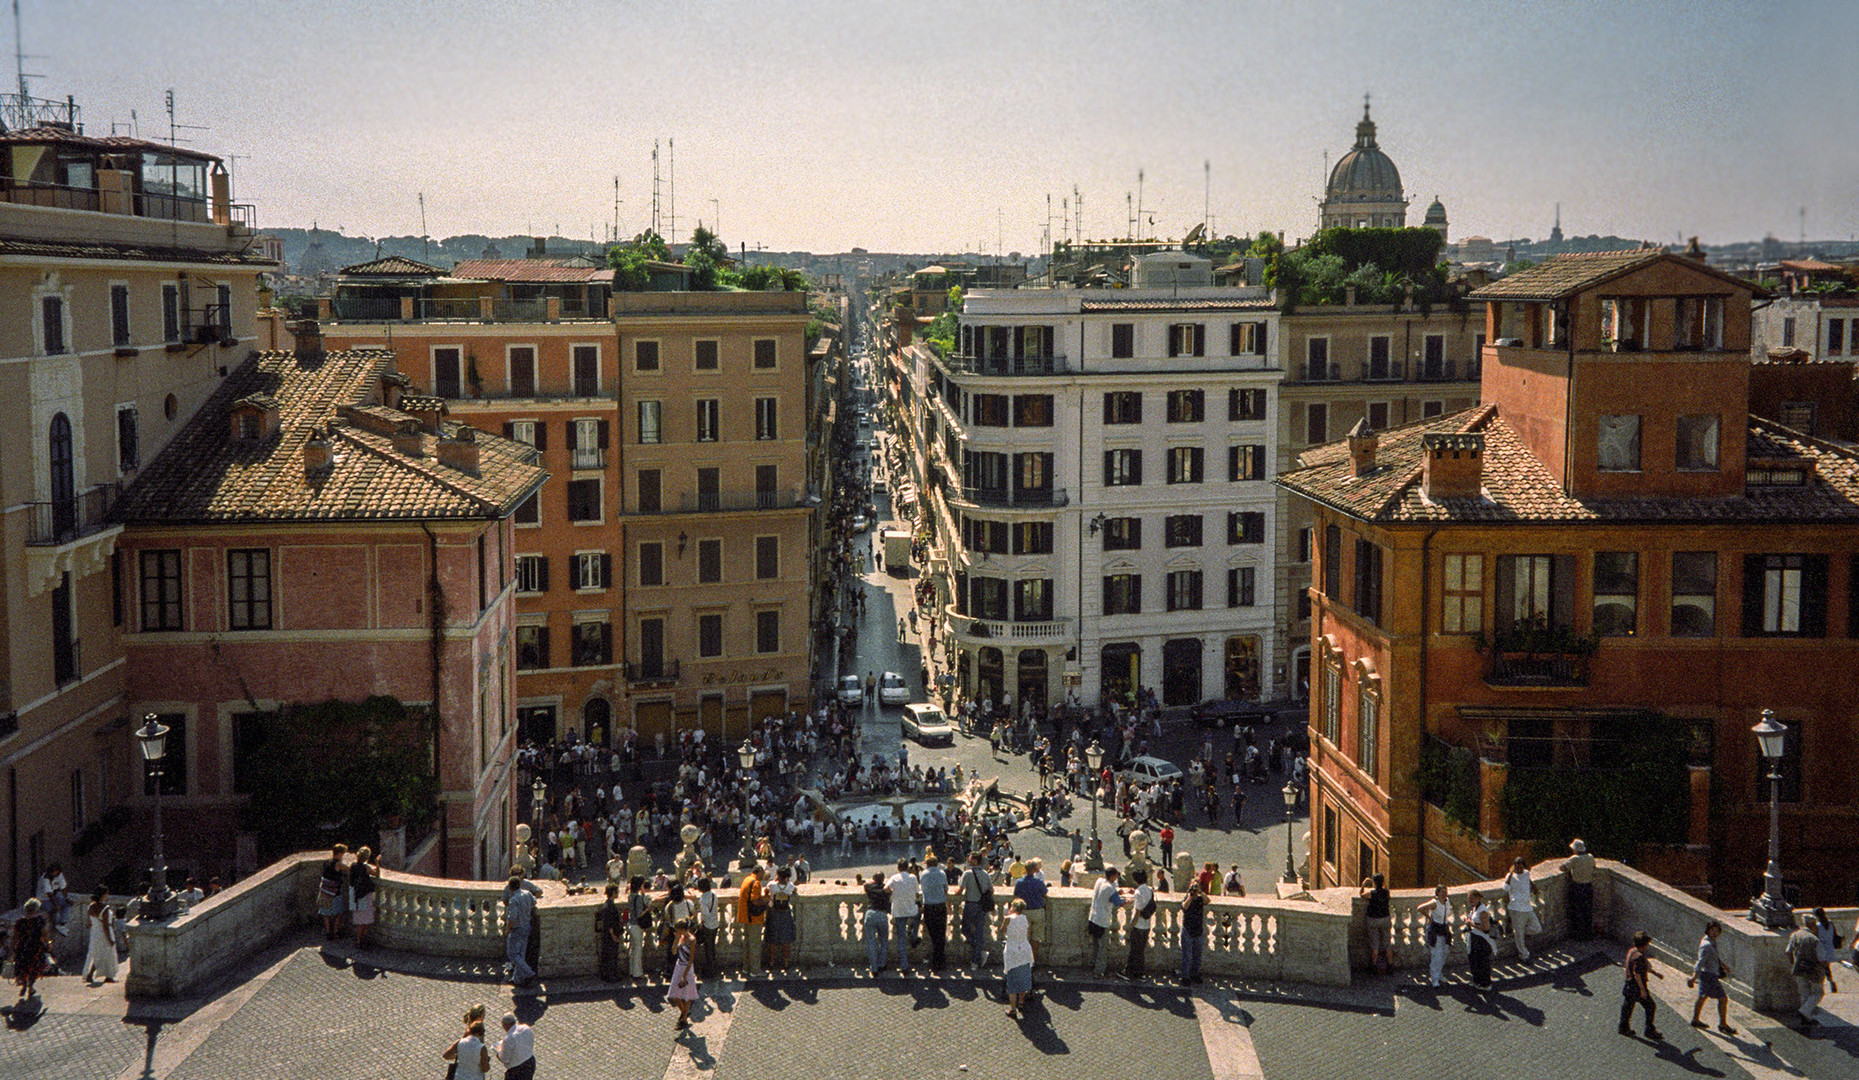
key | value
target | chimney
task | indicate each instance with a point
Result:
(1349, 296)
(1694, 251)
(394, 386)
(460, 449)
(319, 455)
(427, 410)
(409, 439)
(1454, 465)
(309, 337)
(1362, 444)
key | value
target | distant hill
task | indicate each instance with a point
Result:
(337, 251)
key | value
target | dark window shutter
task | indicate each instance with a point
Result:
(1200, 339)
(1174, 341)
(1258, 339)
(542, 435)
(509, 430)
(603, 434)
(606, 570)
(1136, 594)
(1813, 596)
(1136, 467)
(1752, 594)
(574, 436)
(542, 644)
(606, 643)
(574, 572)
(542, 573)
(1236, 335)
(1506, 592)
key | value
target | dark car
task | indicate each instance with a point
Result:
(1225, 712)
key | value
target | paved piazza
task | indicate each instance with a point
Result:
(301, 1010)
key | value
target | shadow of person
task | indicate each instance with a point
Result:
(364, 970)
(529, 1010)
(698, 1048)
(1036, 1024)
(1685, 1059)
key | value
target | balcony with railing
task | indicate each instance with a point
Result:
(640, 674)
(707, 502)
(588, 457)
(1006, 630)
(64, 521)
(360, 307)
(1008, 498)
(1054, 364)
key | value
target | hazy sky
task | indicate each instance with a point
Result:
(933, 126)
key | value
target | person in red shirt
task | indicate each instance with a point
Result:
(1167, 836)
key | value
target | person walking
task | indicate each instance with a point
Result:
(1803, 950)
(1142, 909)
(934, 884)
(31, 946)
(906, 913)
(1438, 912)
(519, 910)
(1580, 868)
(877, 922)
(751, 915)
(609, 932)
(1193, 933)
(1520, 892)
(1105, 900)
(1708, 975)
(100, 960)
(1636, 990)
(472, 1057)
(1480, 945)
(1016, 956)
(1380, 922)
(683, 991)
(1829, 947)
(517, 1049)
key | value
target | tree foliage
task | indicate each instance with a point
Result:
(628, 260)
(1379, 263)
(338, 770)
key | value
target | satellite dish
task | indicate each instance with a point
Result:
(1194, 234)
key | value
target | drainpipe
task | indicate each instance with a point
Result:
(435, 603)
(1426, 569)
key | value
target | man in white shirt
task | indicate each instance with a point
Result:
(1142, 911)
(906, 912)
(517, 1049)
(1105, 899)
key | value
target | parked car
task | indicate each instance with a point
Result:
(851, 690)
(1226, 712)
(860, 523)
(1148, 770)
(892, 690)
(927, 724)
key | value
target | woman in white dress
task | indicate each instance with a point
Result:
(1016, 956)
(473, 1057)
(100, 962)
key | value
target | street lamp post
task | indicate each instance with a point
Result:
(1094, 757)
(1771, 908)
(745, 756)
(1290, 794)
(153, 739)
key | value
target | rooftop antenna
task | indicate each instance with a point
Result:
(1804, 226)
(1129, 216)
(426, 250)
(1000, 234)
(1065, 218)
(671, 153)
(616, 208)
(1207, 193)
(1078, 210)
(655, 185)
(1139, 203)
(19, 57)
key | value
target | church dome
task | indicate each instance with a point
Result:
(1436, 213)
(1365, 174)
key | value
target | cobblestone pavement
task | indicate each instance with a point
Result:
(308, 1011)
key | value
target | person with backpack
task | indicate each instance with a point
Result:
(977, 904)
(1636, 990)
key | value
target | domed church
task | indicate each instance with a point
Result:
(1364, 191)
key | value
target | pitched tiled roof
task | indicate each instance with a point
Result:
(106, 143)
(1260, 304)
(1517, 488)
(529, 270)
(75, 249)
(205, 476)
(397, 265)
(1564, 274)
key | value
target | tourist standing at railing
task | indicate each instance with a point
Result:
(519, 909)
(1193, 933)
(332, 892)
(1480, 945)
(751, 915)
(1380, 920)
(1105, 899)
(638, 909)
(1521, 894)
(906, 914)
(707, 923)
(877, 922)
(1032, 888)
(934, 882)
(1142, 916)
(1580, 868)
(1438, 912)
(361, 895)
(609, 931)
(977, 904)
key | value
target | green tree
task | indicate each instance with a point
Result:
(702, 239)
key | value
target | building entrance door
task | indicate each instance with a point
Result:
(1181, 671)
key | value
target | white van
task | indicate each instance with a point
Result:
(927, 724)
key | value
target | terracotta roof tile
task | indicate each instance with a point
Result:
(74, 249)
(1565, 275)
(396, 265)
(528, 270)
(1517, 487)
(1188, 304)
(205, 476)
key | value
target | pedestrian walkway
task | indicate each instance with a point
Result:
(310, 1009)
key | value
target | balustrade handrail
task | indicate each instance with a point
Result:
(62, 521)
(969, 364)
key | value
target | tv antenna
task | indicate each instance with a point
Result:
(425, 239)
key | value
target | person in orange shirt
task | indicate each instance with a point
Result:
(751, 914)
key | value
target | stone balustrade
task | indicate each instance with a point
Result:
(1317, 938)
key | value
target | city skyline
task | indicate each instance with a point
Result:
(802, 130)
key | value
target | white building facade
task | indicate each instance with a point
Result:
(1094, 473)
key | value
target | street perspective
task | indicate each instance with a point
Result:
(813, 541)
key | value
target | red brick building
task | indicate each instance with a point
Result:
(311, 534)
(1609, 550)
